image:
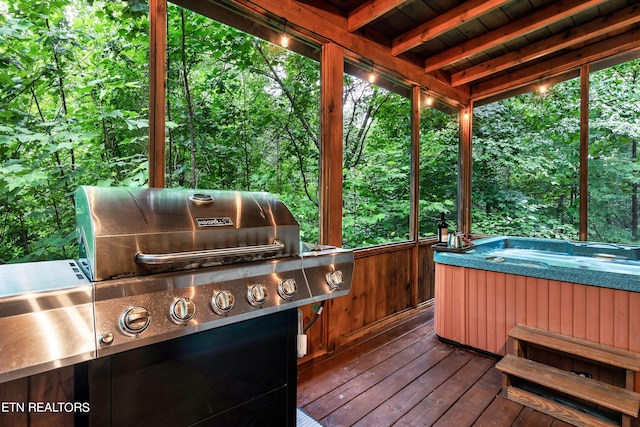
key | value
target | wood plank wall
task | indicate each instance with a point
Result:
(381, 291)
(478, 308)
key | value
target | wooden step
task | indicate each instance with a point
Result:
(599, 393)
(554, 409)
(585, 349)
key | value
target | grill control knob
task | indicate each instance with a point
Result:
(182, 310)
(257, 294)
(334, 279)
(222, 302)
(287, 288)
(135, 320)
(106, 338)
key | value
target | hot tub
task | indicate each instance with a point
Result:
(582, 289)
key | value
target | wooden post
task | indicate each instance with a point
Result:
(416, 94)
(465, 169)
(584, 151)
(157, 95)
(331, 132)
(331, 147)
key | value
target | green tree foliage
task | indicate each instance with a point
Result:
(526, 164)
(243, 114)
(377, 141)
(439, 140)
(251, 122)
(72, 111)
(614, 169)
(526, 160)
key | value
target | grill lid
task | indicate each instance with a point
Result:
(137, 231)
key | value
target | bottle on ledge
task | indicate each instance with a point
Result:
(443, 229)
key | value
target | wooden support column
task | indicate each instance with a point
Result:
(465, 169)
(157, 95)
(331, 132)
(584, 151)
(416, 95)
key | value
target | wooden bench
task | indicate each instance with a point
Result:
(516, 367)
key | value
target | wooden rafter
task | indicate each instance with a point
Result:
(319, 28)
(626, 42)
(496, 24)
(591, 30)
(443, 23)
(370, 11)
(541, 18)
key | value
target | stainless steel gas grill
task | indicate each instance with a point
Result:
(187, 281)
(170, 262)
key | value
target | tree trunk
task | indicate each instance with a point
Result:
(65, 111)
(170, 160)
(187, 95)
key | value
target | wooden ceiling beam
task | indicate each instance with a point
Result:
(531, 87)
(369, 12)
(626, 42)
(469, 10)
(541, 18)
(590, 30)
(319, 28)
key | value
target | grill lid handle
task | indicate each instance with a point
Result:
(168, 258)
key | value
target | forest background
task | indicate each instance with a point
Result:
(243, 114)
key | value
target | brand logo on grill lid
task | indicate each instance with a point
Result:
(214, 222)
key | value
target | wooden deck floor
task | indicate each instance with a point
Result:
(406, 376)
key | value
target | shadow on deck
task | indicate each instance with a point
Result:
(406, 376)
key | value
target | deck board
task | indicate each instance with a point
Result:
(387, 369)
(402, 402)
(501, 412)
(474, 402)
(367, 401)
(406, 376)
(438, 403)
(318, 379)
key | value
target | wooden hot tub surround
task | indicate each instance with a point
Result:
(477, 306)
(549, 389)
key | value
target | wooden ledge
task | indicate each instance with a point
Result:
(590, 350)
(599, 393)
